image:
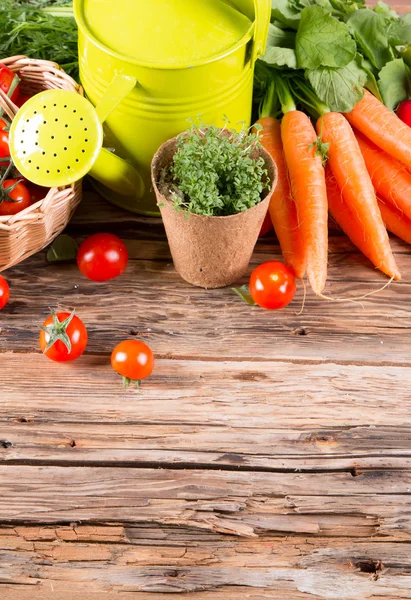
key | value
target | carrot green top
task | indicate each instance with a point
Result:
(166, 32)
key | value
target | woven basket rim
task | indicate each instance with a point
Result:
(35, 70)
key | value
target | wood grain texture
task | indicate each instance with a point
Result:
(268, 457)
(278, 416)
(76, 558)
(292, 434)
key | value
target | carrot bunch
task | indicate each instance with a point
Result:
(356, 166)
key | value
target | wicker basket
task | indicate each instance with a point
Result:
(32, 229)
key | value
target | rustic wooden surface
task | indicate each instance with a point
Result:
(269, 455)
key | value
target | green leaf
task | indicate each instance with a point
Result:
(280, 57)
(322, 40)
(399, 32)
(394, 83)
(26, 28)
(340, 89)
(371, 83)
(283, 12)
(244, 293)
(370, 31)
(385, 9)
(280, 37)
(343, 8)
(63, 248)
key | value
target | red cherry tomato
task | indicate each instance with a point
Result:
(133, 360)
(22, 99)
(4, 292)
(266, 226)
(272, 285)
(102, 257)
(37, 192)
(16, 200)
(63, 337)
(6, 81)
(4, 147)
(3, 124)
(404, 112)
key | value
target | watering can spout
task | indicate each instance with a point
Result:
(117, 174)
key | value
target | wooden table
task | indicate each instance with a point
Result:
(269, 456)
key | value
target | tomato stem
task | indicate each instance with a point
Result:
(127, 382)
(58, 331)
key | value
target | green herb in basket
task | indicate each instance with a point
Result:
(33, 28)
(217, 172)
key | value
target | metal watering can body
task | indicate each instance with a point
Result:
(167, 96)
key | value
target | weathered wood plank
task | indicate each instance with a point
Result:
(226, 394)
(244, 448)
(180, 321)
(294, 567)
(372, 504)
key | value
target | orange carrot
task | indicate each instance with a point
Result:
(347, 220)
(395, 220)
(390, 178)
(307, 178)
(282, 208)
(383, 127)
(348, 167)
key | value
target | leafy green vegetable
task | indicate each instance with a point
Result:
(213, 172)
(283, 12)
(27, 28)
(371, 83)
(280, 57)
(339, 88)
(280, 37)
(400, 31)
(341, 46)
(322, 40)
(63, 248)
(370, 31)
(385, 9)
(394, 83)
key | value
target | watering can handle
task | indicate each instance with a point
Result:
(120, 86)
(109, 169)
(262, 11)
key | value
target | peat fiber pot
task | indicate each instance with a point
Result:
(210, 252)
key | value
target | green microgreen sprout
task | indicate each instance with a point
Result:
(217, 172)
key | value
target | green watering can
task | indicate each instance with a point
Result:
(187, 59)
